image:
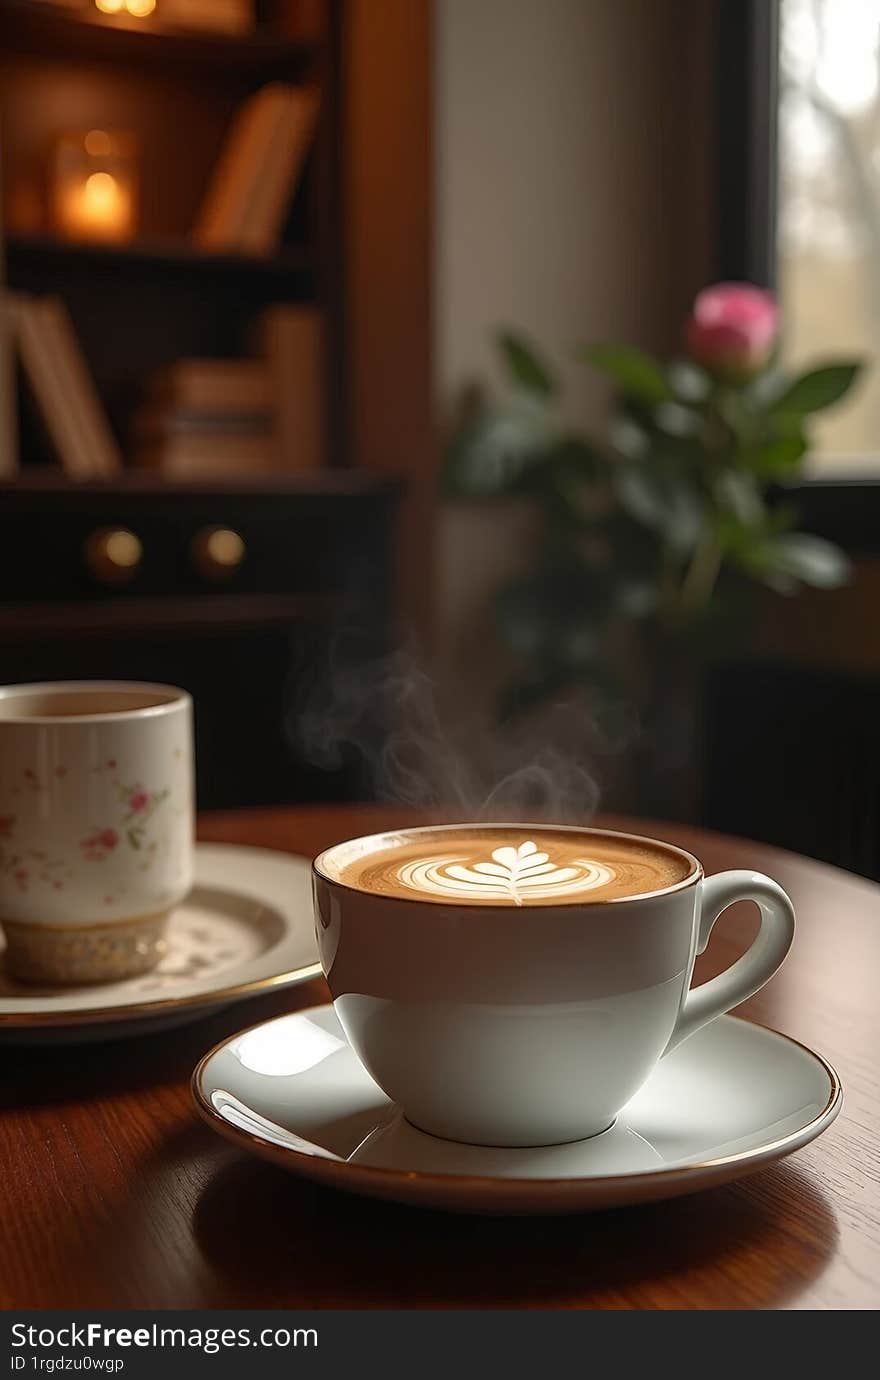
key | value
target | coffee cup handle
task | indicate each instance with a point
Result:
(759, 962)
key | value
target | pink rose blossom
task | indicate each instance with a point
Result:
(138, 800)
(732, 330)
(96, 847)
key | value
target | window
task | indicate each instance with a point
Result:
(828, 222)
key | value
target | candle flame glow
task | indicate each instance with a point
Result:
(138, 9)
(101, 193)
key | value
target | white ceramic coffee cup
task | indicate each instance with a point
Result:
(531, 1025)
(96, 825)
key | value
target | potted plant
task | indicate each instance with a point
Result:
(653, 540)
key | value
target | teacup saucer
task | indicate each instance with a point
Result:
(246, 926)
(731, 1099)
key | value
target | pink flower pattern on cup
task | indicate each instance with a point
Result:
(98, 845)
(30, 864)
(81, 842)
(139, 804)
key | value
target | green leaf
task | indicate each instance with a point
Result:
(628, 437)
(490, 453)
(779, 457)
(634, 372)
(738, 494)
(764, 390)
(685, 518)
(677, 420)
(809, 559)
(818, 388)
(688, 381)
(744, 544)
(663, 502)
(641, 494)
(524, 367)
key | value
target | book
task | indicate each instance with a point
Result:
(292, 340)
(253, 181)
(243, 155)
(159, 422)
(201, 455)
(207, 417)
(63, 389)
(216, 386)
(269, 203)
(67, 442)
(79, 384)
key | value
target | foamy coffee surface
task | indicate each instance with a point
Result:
(506, 866)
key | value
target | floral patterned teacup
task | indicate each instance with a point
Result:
(96, 826)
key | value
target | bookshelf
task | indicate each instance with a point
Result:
(355, 247)
(31, 251)
(138, 305)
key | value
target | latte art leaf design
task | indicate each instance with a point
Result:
(512, 873)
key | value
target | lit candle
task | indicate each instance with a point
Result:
(138, 9)
(94, 186)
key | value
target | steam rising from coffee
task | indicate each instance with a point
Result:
(384, 718)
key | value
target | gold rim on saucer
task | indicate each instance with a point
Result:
(216, 997)
(320, 1167)
(236, 870)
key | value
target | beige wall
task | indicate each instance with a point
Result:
(572, 179)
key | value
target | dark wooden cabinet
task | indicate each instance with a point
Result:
(254, 644)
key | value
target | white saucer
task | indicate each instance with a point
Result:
(731, 1099)
(245, 927)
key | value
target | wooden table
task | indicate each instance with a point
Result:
(115, 1194)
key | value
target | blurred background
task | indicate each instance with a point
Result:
(308, 404)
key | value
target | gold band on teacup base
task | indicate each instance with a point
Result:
(102, 952)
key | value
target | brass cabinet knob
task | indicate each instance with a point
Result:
(217, 552)
(113, 554)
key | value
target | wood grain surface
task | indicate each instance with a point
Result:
(114, 1194)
